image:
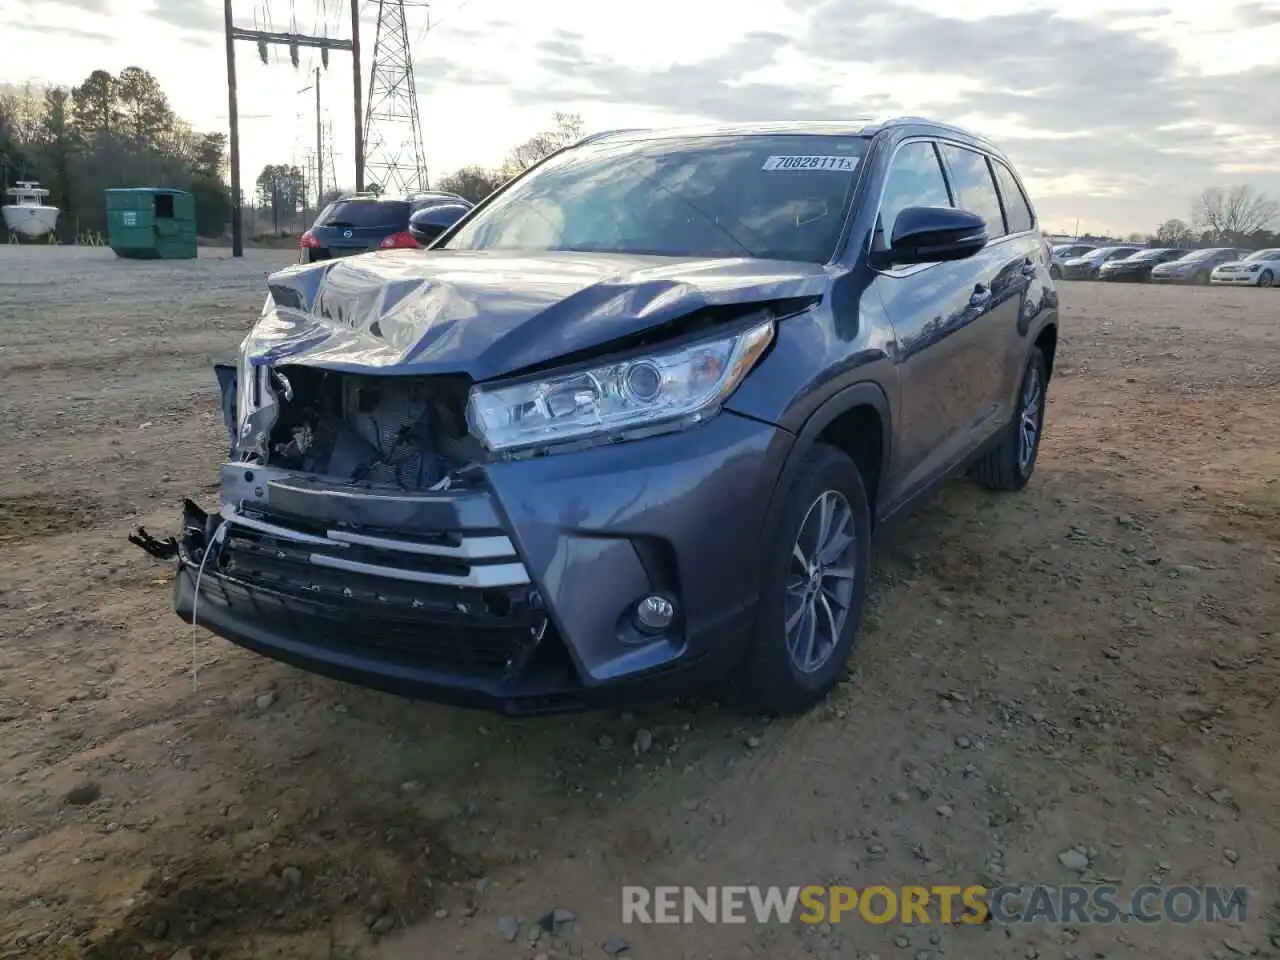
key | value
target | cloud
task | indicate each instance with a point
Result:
(196, 15)
(713, 87)
(93, 6)
(1106, 112)
(74, 32)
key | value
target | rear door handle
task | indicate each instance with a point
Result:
(981, 294)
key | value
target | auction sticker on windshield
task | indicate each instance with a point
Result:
(842, 164)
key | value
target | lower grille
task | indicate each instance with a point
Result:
(461, 602)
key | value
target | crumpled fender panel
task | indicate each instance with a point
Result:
(488, 314)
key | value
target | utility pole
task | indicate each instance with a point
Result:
(355, 82)
(233, 114)
(319, 144)
(293, 41)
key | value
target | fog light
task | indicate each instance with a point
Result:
(655, 613)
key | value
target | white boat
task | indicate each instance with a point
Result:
(26, 213)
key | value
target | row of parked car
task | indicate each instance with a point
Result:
(362, 222)
(1138, 264)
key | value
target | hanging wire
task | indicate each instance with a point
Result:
(429, 26)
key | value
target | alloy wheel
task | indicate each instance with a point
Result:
(1029, 420)
(820, 581)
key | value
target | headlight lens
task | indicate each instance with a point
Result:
(684, 385)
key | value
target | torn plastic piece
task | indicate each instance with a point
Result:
(226, 374)
(166, 549)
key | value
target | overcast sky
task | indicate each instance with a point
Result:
(1117, 113)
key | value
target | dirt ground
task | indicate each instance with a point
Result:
(1092, 663)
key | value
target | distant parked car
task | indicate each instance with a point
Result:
(1197, 266)
(1259, 269)
(363, 222)
(1087, 266)
(434, 219)
(1137, 267)
(1067, 251)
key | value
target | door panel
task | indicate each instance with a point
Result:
(974, 183)
(933, 308)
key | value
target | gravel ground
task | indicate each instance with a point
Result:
(1091, 664)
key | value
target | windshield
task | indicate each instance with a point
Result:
(364, 213)
(1264, 255)
(779, 197)
(1149, 255)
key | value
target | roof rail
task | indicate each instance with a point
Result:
(592, 137)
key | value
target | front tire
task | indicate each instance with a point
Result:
(1010, 465)
(1266, 278)
(1055, 272)
(813, 588)
(1202, 278)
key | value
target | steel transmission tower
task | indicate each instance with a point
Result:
(394, 156)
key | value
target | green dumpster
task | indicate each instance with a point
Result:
(151, 223)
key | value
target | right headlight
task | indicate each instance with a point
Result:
(672, 387)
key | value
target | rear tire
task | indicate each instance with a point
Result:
(1010, 465)
(813, 587)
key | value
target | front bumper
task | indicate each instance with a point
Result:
(1077, 273)
(513, 594)
(1123, 276)
(1236, 279)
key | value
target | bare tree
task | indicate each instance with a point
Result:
(474, 183)
(568, 129)
(1174, 233)
(1235, 212)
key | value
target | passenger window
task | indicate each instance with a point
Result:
(1017, 209)
(974, 188)
(915, 180)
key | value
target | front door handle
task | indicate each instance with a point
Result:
(981, 294)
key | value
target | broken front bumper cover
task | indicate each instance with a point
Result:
(514, 594)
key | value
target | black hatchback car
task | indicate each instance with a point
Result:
(1137, 267)
(363, 222)
(632, 422)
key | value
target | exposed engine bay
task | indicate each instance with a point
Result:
(408, 432)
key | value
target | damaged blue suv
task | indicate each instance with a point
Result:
(631, 423)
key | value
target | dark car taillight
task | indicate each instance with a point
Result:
(402, 239)
(308, 241)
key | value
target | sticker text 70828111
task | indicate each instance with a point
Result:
(840, 164)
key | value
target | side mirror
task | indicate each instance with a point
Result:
(931, 235)
(429, 222)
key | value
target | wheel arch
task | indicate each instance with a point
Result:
(1047, 340)
(857, 420)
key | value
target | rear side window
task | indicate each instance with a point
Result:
(975, 190)
(365, 213)
(915, 180)
(1017, 209)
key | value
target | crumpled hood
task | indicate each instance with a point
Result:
(491, 313)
